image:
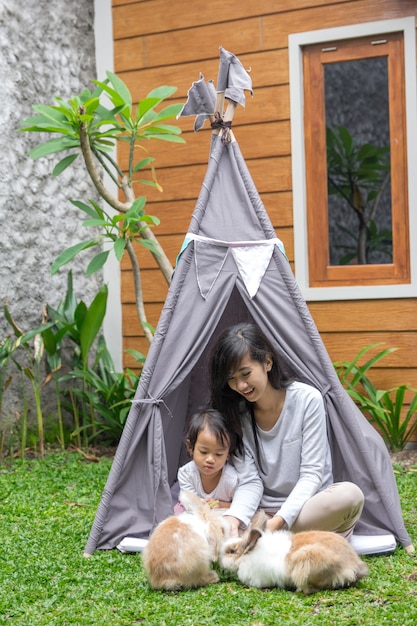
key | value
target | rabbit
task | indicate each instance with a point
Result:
(306, 561)
(182, 547)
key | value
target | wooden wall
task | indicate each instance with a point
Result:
(170, 42)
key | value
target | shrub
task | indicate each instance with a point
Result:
(385, 408)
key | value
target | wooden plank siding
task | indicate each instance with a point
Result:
(160, 42)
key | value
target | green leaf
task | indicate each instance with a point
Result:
(138, 356)
(65, 330)
(49, 341)
(151, 245)
(121, 88)
(137, 206)
(44, 127)
(40, 121)
(85, 207)
(117, 222)
(165, 128)
(365, 151)
(347, 258)
(116, 99)
(62, 165)
(346, 138)
(71, 252)
(163, 92)
(172, 138)
(143, 164)
(17, 331)
(119, 247)
(53, 145)
(92, 322)
(26, 337)
(146, 105)
(80, 313)
(52, 113)
(103, 112)
(91, 105)
(28, 372)
(168, 112)
(97, 262)
(95, 221)
(151, 183)
(70, 302)
(105, 147)
(151, 219)
(120, 97)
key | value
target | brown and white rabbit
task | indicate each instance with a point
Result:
(305, 561)
(182, 548)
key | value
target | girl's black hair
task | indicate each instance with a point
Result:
(217, 425)
(234, 344)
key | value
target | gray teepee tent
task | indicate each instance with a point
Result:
(231, 268)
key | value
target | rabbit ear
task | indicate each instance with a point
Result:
(253, 536)
(259, 520)
(191, 502)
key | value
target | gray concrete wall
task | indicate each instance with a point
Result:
(47, 49)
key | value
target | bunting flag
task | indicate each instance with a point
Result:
(251, 257)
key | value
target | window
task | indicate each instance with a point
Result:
(353, 117)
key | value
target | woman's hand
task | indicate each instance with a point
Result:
(275, 523)
(234, 524)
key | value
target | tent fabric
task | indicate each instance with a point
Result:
(201, 102)
(209, 292)
(232, 81)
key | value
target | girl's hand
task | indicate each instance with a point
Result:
(234, 524)
(218, 504)
(213, 503)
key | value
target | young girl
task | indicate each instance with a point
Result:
(282, 425)
(210, 474)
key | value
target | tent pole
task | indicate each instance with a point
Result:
(218, 108)
(228, 116)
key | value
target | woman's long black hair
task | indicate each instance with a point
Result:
(234, 344)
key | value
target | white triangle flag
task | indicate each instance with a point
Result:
(209, 261)
(251, 257)
(252, 262)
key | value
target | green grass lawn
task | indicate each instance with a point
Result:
(47, 507)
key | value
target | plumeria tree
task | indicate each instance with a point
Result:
(88, 126)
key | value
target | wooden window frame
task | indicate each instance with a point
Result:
(318, 280)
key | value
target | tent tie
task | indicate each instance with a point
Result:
(152, 400)
(325, 390)
(224, 126)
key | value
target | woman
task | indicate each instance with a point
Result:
(282, 425)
